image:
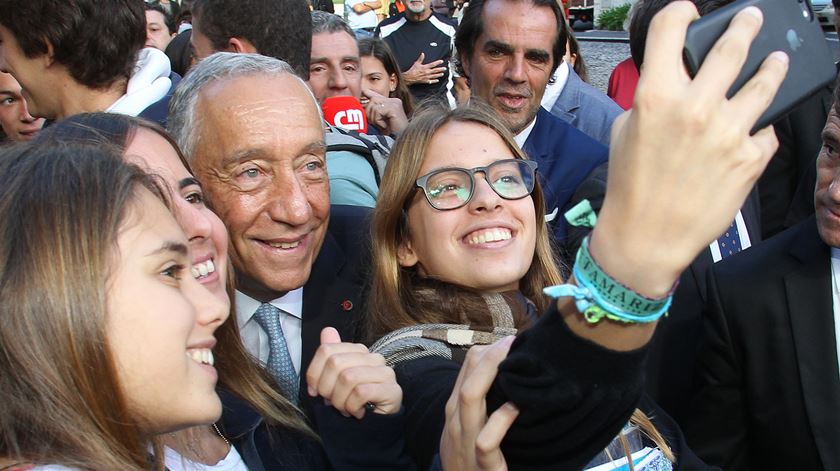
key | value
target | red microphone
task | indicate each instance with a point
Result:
(345, 112)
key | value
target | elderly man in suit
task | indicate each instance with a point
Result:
(259, 152)
(508, 50)
(770, 385)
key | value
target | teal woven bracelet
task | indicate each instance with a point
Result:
(599, 296)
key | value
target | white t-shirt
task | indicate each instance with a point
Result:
(359, 20)
(231, 462)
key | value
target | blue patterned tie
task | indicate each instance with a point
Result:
(729, 242)
(279, 362)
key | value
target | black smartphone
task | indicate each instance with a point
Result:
(789, 26)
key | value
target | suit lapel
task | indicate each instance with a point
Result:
(812, 323)
(317, 294)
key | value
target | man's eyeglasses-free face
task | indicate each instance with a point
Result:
(453, 187)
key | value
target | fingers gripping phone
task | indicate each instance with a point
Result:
(789, 26)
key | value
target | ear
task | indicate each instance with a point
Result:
(392, 82)
(465, 64)
(405, 255)
(241, 45)
(49, 57)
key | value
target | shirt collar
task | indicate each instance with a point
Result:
(553, 90)
(246, 306)
(523, 135)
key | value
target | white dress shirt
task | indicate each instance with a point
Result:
(553, 90)
(256, 339)
(743, 237)
(835, 285)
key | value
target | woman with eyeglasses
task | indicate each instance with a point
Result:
(461, 257)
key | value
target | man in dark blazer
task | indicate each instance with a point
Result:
(258, 151)
(508, 51)
(768, 370)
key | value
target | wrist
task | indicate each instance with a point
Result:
(645, 266)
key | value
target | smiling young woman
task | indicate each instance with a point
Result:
(99, 359)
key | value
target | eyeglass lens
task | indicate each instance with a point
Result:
(452, 188)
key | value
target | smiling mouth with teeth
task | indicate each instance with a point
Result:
(490, 235)
(202, 270)
(284, 245)
(201, 355)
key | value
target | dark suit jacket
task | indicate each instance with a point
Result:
(334, 294)
(565, 156)
(770, 395)
(787, 185)
(674, 348)
(345, 443)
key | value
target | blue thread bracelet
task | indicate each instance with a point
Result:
(600, 296)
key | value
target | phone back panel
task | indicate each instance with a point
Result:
(785, 28)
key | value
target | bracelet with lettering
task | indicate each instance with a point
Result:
(599, 296)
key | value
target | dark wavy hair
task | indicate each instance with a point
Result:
(97, 41)
(376, 47)
(472, 25)
(277, 28)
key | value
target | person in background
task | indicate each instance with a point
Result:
(360, 15)
(622, 83)
(276, 28)
(381, 73)
(180, 53)
(160, 27)
(569, 97)
(66, 65)
(421, 40)
(574, 58)
(15, 120)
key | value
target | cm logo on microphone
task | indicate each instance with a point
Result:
(352, 120)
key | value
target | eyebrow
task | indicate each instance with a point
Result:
(250, 154)
(189, 181)
(171, 246)
(493, 44)
(343, 59)
(508, 49)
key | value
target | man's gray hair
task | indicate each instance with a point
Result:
(183, 121)
(323, 22)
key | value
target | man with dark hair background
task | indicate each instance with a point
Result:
(74, 56)
(276, 28)
(160, 26)
(508, 51)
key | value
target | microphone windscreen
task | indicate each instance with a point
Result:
(345, 112)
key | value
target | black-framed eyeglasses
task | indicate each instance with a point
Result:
(453, 187)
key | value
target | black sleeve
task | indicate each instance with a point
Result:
(373, 443)
(427, 384)
(574, 396)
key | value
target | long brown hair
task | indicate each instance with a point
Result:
(62, 208)
(238, 372)
(394, 292)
